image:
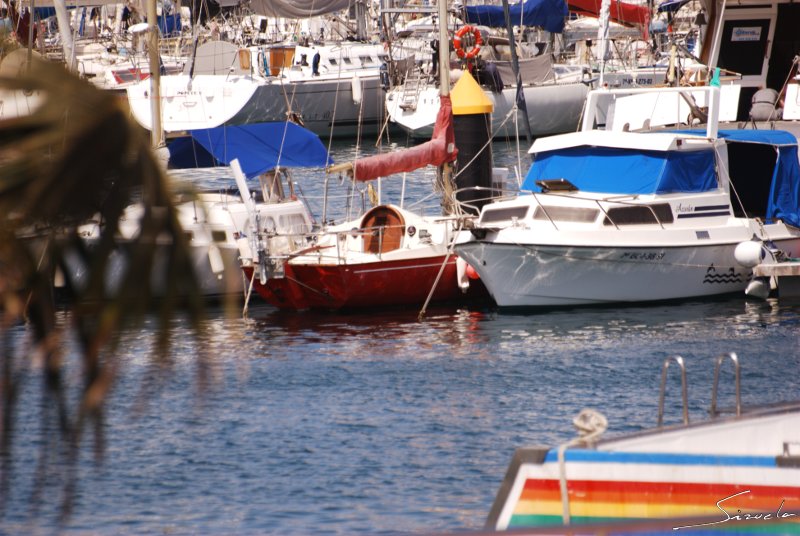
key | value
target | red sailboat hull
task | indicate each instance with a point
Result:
(369, 285)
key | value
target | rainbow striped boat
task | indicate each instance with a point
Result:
(734, 472)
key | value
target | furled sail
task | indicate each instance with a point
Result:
(438, 150)
(549, 14)
(297, 9)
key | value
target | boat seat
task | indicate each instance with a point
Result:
(383, 228)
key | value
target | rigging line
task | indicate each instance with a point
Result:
(312, 289)
(485, 145)
(785, 83)
(450, 249)
(248, 293)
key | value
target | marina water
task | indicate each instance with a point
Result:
(377, 422)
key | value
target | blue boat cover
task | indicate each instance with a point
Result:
(259, 148)
(549, 14)
(623, 171)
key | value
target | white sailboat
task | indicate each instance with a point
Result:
(330, 87)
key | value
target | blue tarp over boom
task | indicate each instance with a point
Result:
(259, 148)
(549, 14)
(623, 171)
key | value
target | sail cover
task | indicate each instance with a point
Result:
(438, 150)
(549, 14)
(297, 9)
(259, 148)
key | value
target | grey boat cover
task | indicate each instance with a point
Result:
(536, 70)
(297, 9)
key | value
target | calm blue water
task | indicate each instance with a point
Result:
(377, 423)
(372, 423)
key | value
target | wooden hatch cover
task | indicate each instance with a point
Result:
(383, 228)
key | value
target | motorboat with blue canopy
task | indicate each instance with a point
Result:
(609, 214)
(259, 147)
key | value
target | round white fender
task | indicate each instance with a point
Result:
(750, 253)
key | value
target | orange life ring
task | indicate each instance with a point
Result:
(475, 48)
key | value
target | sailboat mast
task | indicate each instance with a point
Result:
(446, 170)
(444, 51)
(602, 36)
(156, 132)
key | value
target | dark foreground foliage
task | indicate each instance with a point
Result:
(77, 157)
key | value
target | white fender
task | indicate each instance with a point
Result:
(215, 258)
(749, 253)
(355, 87)
(461, 274)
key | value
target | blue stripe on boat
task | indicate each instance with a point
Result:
(595, 456)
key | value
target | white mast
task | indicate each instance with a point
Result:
(602, 36)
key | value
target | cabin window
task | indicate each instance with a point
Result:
(347, 61)
(218, 236)
(332, 60)
(504, 214)
(639, 215)
(365, 60)
(573, 214)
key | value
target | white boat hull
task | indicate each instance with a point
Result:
(532, 275)
(324, 106)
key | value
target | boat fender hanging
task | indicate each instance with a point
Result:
(749, 253)
(355, 87)
(461, 274)
(476, 48)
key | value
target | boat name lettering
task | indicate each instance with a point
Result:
(681, 208)
(739, 516)
(186, 92)
(647, 256)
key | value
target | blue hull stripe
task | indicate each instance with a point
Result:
(594, 456)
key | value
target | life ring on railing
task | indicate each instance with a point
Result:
(476, 48)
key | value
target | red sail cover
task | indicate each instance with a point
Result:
(433, 152)
(622, 12)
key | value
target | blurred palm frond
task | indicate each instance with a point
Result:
(78, 157)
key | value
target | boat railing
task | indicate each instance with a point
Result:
(334, 245)
(679, 362)
(473, 205)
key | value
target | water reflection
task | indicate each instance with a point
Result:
(377, 422)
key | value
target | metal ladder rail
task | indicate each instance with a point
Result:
(679, 361)
(732, 356)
